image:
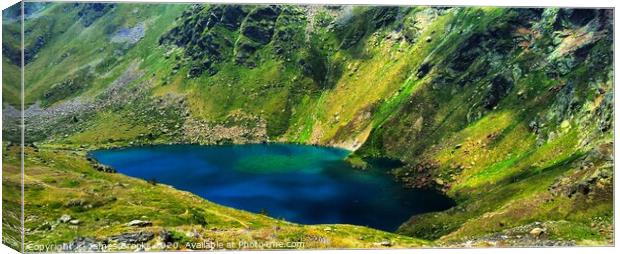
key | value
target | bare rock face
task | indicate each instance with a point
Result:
(130, 35)
(500, 86)
(232, 16)
(260, 23)
(90, 12)
(200, 33)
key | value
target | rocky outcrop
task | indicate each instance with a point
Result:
(104, 168)
(259, 24)
(257, 30)
(500, 87)
(90, 12)
(198, 34)
(82, 244)
(133, 238)
(46, 122)
(130, 35)
(207, 34)
(532, 235)
(353, 28)
(240, 128)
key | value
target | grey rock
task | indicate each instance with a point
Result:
(81, 244)
(166, 237)
(133, 238)
(500, 86)
(75, 203)
(129, 35)
(64, 218)
(139, 223)
(104, 168)
(386, 243)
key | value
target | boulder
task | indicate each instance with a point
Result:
(75, 203)
(82, 244)
(133, 238)
(139, 223)
(166, 237)
(104, 168)
(64, 218)
(439, 181)
(386, 243)
(537, 232)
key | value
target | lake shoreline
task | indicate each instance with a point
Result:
(269, 165)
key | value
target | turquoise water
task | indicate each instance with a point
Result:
(298, 183)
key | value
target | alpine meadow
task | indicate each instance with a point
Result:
(153, 126)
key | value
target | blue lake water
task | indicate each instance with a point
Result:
(302, 184)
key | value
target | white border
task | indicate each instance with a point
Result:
(522, 3)
(509, 3)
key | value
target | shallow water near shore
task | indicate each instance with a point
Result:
(298, 183)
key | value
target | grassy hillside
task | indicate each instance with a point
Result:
(521, 135)
(507, 111)
(65, 183)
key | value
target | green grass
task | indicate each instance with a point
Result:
(11, 83)
(51, 67)
(108, 126)
(108, 201)
(492, 162)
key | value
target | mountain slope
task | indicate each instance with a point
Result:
(508, 111)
